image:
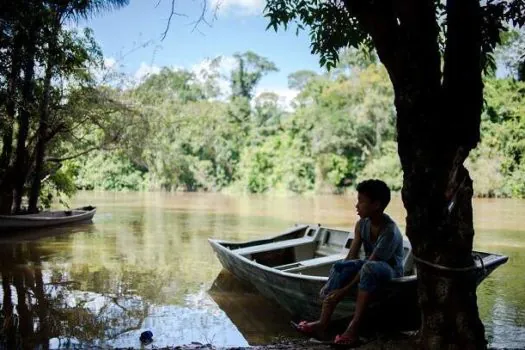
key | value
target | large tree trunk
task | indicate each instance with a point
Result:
(447, 298)
(437, 124)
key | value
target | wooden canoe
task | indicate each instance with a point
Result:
(292, 267)
(44, 219)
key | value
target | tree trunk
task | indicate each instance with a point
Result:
(7, 147)
(43, 123)
(438, 118)
(41, 143)
(24, 115)
(447, 299)
(6, 182)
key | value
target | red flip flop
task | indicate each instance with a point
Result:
(344, 340)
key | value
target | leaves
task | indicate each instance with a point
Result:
(332, 27)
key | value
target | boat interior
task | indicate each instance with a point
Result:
(308, 250)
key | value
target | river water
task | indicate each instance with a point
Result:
(145, 264)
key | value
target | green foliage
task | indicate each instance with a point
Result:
(498, 162)
(107, 171)
(332, 28)
(57, 187)
(337, 25)
(298, 80)
(177, 136)
(385, 166)
(50, 104)
(250, 69)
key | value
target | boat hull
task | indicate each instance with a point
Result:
(10, 223)
(299, 294)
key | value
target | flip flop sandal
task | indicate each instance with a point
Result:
(346, 341)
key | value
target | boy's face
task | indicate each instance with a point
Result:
(366, 206)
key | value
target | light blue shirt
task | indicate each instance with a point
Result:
(388, 246)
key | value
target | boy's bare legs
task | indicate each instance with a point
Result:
(329, 305)
(351, 332)
(326, 314)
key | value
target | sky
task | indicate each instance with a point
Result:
(130, 38)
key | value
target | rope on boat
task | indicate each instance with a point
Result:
(453, 269)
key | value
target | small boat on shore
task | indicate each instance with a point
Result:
(292, 267)
(9, 223)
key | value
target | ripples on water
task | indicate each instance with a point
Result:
(145, 264)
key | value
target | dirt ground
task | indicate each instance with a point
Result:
(383, 342)
(306, 345)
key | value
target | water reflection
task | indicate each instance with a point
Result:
(145, 264)
(501, 298)
(260, 320)
(58, 305)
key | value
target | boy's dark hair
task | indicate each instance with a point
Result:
(376, 190)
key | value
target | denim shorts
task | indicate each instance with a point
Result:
(373, 275)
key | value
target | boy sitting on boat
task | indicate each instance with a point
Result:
(383, 246)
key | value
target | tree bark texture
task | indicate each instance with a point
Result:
(438, 118)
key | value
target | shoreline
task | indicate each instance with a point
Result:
(377, 344)
(403, 342)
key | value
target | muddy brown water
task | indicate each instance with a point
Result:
(145, 264)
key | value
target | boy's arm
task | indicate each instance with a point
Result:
(353, 253)
(338, 294)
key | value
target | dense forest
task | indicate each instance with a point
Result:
(67, 123)
(340, 129)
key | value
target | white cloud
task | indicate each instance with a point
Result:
(238, 7)
(144, 71)
(110, 62)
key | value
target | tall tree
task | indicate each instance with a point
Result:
(434, 53)
(58, 12)
(251, 68)
(30, 37)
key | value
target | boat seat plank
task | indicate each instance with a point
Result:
(323, 260)
(274, 246)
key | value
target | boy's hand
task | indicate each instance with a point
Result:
(322, 291)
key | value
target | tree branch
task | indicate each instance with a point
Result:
(462, 80)
(203, 13)
(378, 19)
(172, 13)
(58, 160)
